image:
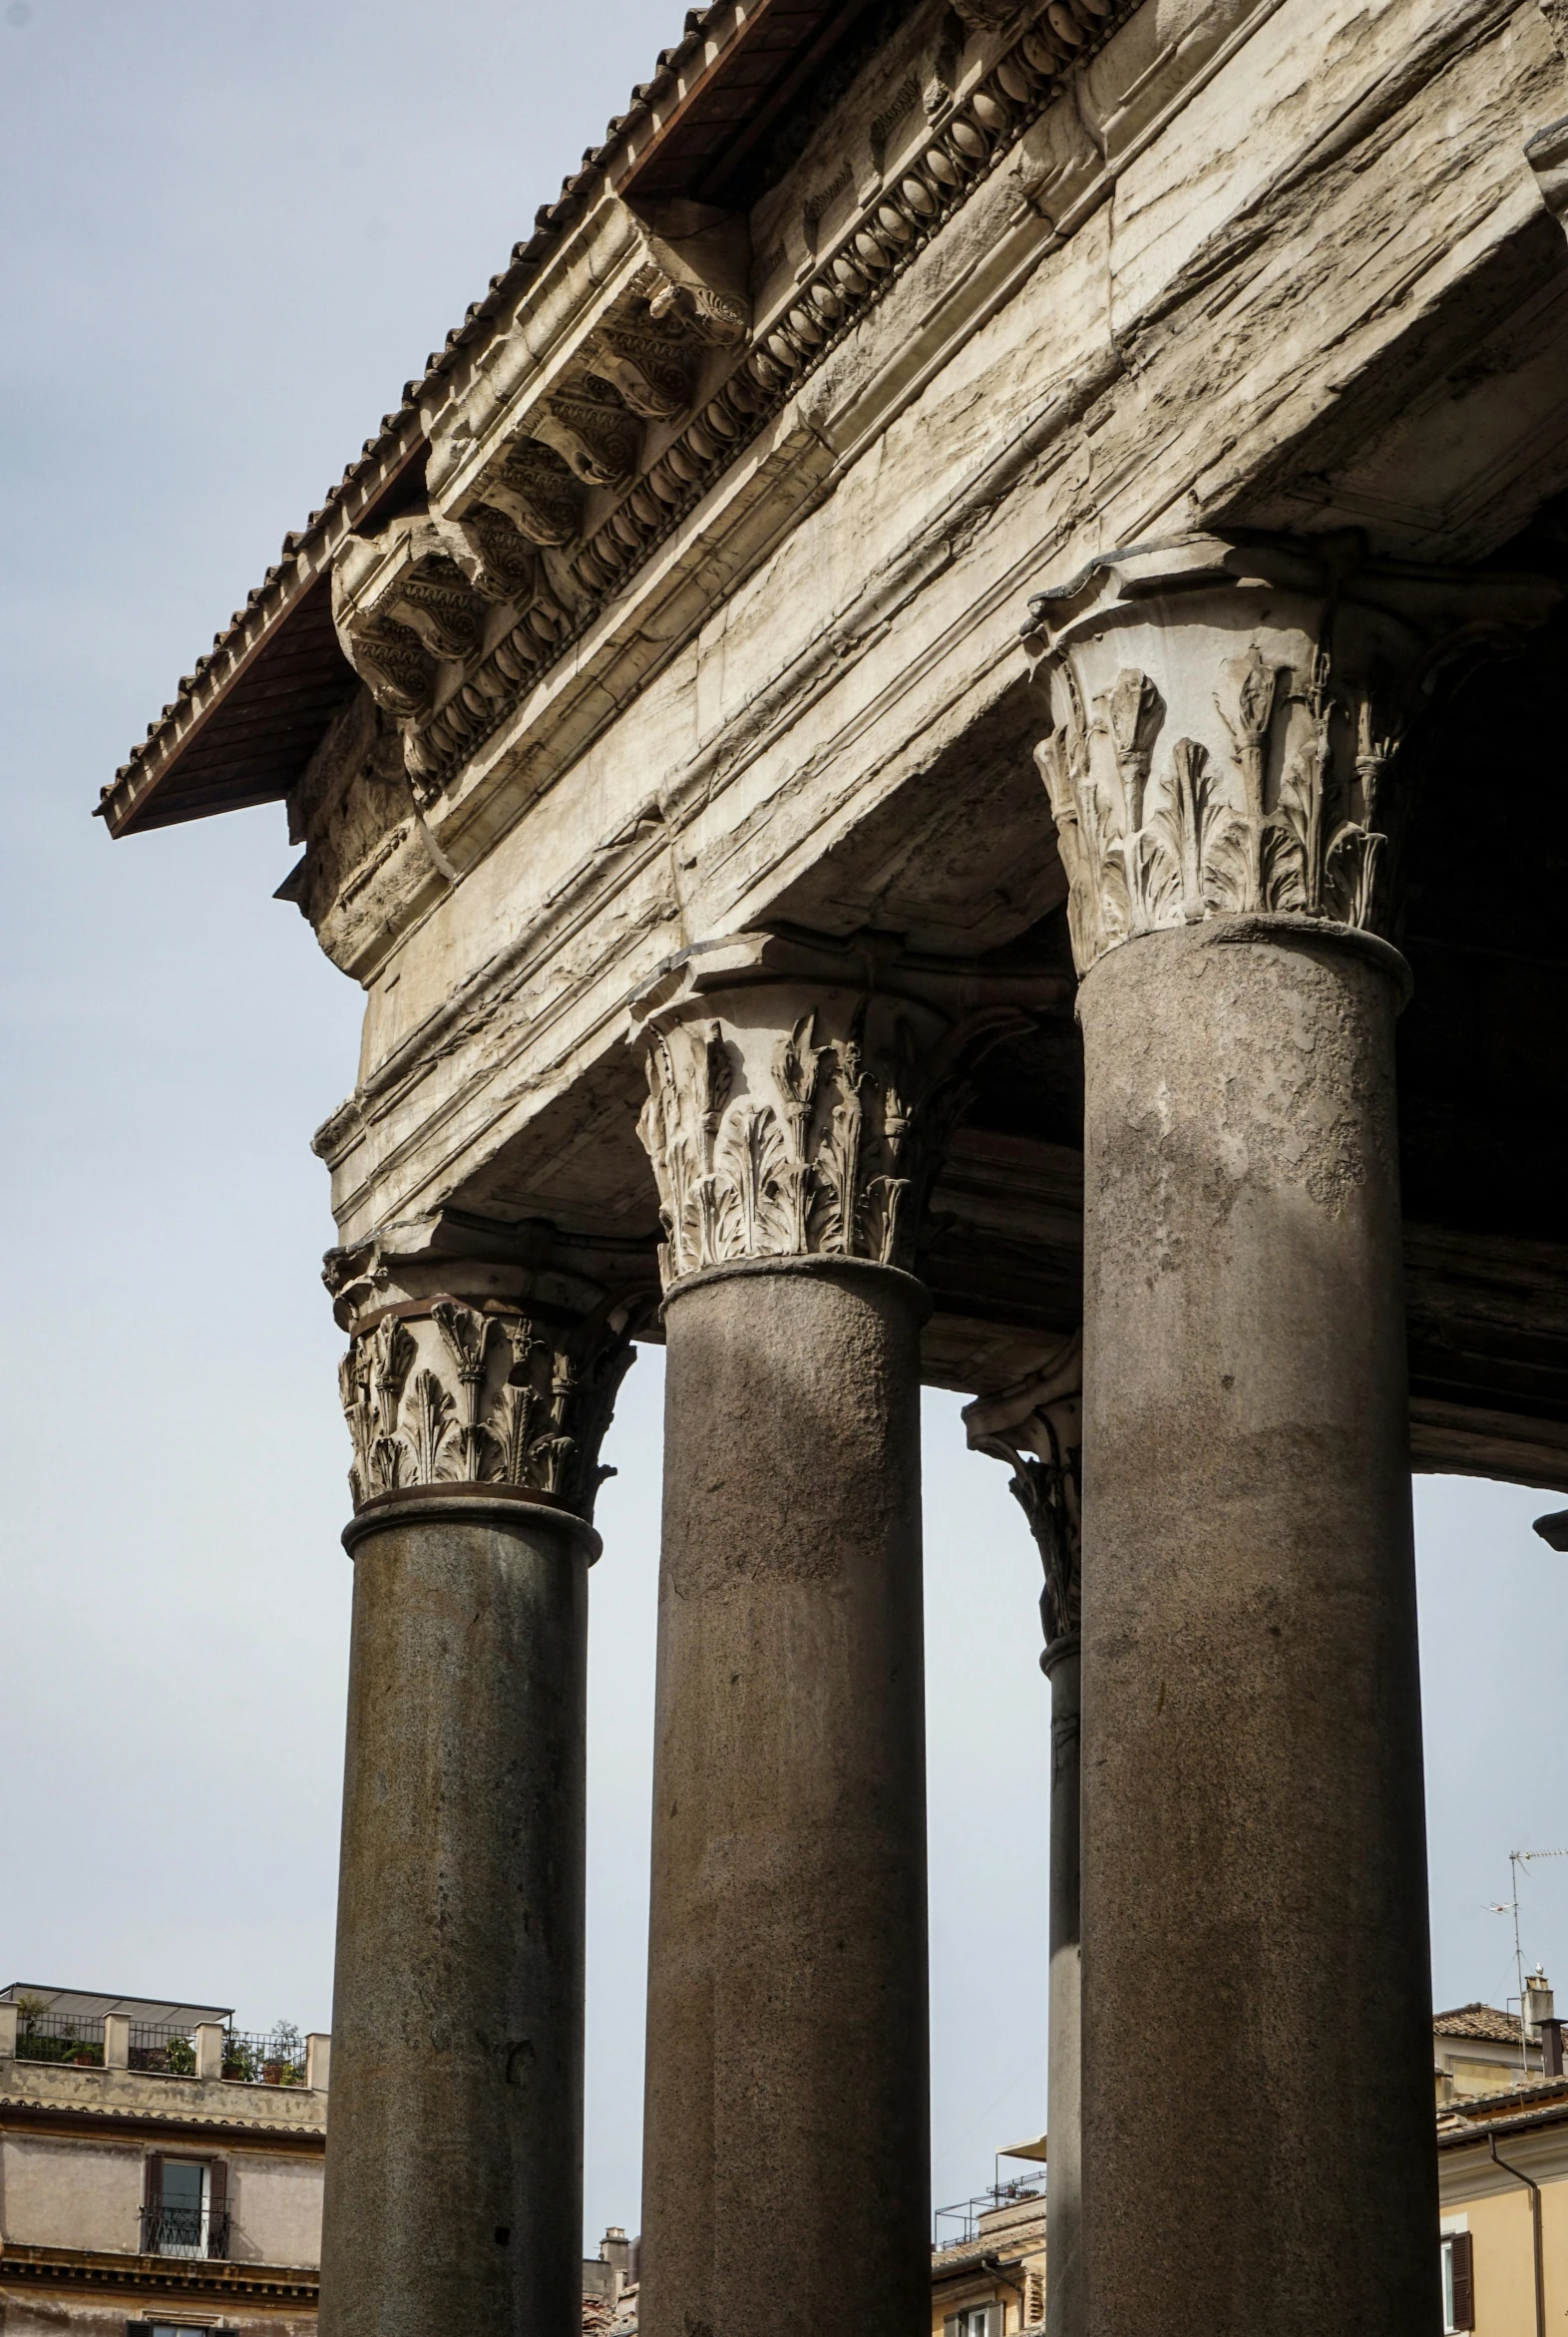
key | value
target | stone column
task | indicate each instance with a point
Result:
(796, 1093)
(1036, 1426)
(1257, 2127)
(475, 1398)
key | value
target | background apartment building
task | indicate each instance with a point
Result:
(159, 2170)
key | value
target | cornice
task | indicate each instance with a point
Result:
(1000, 94)
(101, 2268)
(767, 483)
(18, 2110)
(656, 459)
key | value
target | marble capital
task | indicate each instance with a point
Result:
(801, 1088)
(1225, 713)
(1035, 1426)
(471, 1371)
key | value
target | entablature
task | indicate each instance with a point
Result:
(628, 377)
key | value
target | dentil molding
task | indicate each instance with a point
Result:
(1225, 713)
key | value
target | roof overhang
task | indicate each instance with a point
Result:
(247, 722)
(245, 726)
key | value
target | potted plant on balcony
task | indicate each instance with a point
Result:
(240, 2059)
(285, 2063)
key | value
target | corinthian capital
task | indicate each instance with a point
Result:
(1037, 1428)
(467, 1372)
(800, 1091)
(1225, 715)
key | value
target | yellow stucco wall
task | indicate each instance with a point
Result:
(1496, 2210)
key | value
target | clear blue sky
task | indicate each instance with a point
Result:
(233, 230)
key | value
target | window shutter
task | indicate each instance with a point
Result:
(217, 2207)
(949, 2327)
(1463, 2281)
(155, 2178)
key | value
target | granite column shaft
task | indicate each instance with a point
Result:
(1254, 1847)
(786, 2158)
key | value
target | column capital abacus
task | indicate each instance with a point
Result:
(1035, 1426)
(1224, 712)
(478, 1373)
(800, 1091)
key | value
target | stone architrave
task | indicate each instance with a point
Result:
(475, 1395)
(1225, 715)
(1037, 1428)
(798, 1093)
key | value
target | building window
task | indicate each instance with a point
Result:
(186, 2207)
(975, 2320)
(1459, 2286)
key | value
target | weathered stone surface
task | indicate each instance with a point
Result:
(1253, 1814)
(786, 2179)
(454, 2182)
(796, 668)
(664, 649)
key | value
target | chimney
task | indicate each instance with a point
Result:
(615, 2249)
(1537, 2004)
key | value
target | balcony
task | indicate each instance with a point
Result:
(35, 2029)
(183, 2229)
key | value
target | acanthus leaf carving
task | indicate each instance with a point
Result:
(806, 1166)
(721, 319)
(1173, 843)
(439, 606)
(1215, 751)
(537, 494)
(598, 441)
(1224, 712)
(496, 1398)
(643, 368)
(499, 562)
(986, 16)
(787, 1119)
(392, 662)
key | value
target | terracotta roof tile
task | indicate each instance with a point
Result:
(1481, 2021)
(526, 256)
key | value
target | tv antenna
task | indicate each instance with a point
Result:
(1516, 1860)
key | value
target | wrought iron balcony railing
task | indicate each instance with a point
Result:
(183, 2231)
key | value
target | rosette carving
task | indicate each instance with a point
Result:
(465, 1394)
